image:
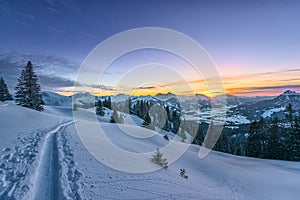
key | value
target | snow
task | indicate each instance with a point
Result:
(43, 157)
(48, 167)
(16, 120)
(218, 176)
(237, 119)
(268, 113)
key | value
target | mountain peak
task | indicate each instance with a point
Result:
(289, 92)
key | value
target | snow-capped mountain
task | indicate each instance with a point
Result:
(269, 107)
(54, 99)
(197, 107)
(84, 100)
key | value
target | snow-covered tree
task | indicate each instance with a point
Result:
(4, 94)
(28, 90)
(157, 158)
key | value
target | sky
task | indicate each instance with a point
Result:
(254, 44)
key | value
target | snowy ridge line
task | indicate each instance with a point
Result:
(46, 182)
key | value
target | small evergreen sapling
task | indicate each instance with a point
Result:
(157, 158)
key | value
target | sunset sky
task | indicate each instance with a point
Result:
(254, 44)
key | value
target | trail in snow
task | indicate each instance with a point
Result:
(46, 185)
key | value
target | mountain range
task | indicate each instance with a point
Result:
(240, 110)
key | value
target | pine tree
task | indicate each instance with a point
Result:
(274, 147)
(157, 158)
(168, 113)
(199, 138)
(176, 122)
(107, 103)
(297, 140)
(257, 140)
(4, 94)
(147, 121)
(254, 140)
(27, 89)
(166, 125)
(289, 113)
(222, 143)
(99, 108)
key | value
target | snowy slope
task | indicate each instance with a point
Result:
(52, 163)
(22, 132)
(15, 120)
(218, 176)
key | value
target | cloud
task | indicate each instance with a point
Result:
(52, 72)
(296, 86)
(53, 81)
(145, 87)
(101, 87)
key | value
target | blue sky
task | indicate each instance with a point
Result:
(242, 37)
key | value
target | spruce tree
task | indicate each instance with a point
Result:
(157, 158)
(251, 146)
(147, 121)
(274, 147)
(199, 138)
(27, 89)
(99, 108)
(289, 113)
(176, 122)
(4, 94)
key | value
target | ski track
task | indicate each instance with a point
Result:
(46, 184)
(17, 164)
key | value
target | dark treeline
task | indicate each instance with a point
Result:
(275, 139)
(266, 138)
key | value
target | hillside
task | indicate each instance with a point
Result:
(72, 172)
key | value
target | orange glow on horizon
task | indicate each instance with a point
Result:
(264, 84)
